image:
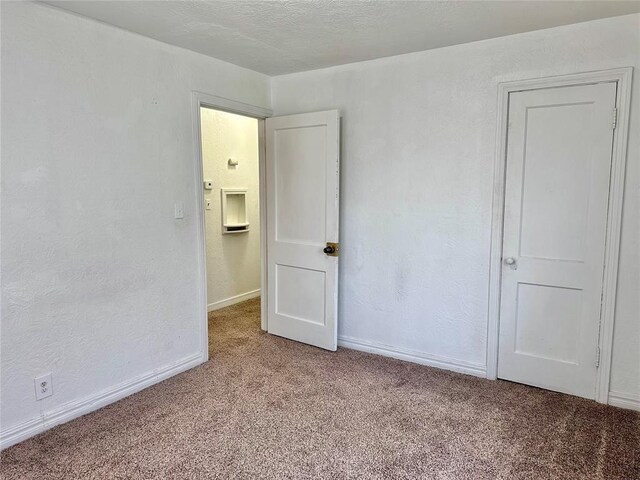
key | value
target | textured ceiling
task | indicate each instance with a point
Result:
(278, 37)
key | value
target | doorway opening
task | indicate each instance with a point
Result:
(231, 196)
(229, 172)
(297, 191)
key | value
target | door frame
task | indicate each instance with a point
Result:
(622, 76)
(200, 99)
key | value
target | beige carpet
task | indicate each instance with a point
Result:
(265, 407)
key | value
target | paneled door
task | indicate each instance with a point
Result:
(303, 177)
(559, 151)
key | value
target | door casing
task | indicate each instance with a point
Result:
(199, 100)
(623, 77)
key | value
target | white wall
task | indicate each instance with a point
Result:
(418, 143)
(99, 281)
(233, 260)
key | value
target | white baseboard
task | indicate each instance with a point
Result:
(437, 361)
(77, 408)
(624, 400)
(233, 300)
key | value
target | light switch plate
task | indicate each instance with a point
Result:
(207, 204)
(178, 210)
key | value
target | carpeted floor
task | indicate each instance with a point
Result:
(266, 407)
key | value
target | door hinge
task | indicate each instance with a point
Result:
(614, 122)
(597, 356)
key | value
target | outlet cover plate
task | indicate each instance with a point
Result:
(44, 386)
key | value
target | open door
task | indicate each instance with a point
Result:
(303, 178)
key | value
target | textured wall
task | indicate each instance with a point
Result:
(418, 143)
(233, 260)
(99, 281)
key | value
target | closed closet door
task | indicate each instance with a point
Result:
(557, 187)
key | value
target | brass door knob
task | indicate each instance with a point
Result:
(331, 249)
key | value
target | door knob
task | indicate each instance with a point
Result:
(511, 262)
(331, 249)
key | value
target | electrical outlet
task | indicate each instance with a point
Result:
(44, 387)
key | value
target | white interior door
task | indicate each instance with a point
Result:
(556, 197)
(303, 177)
